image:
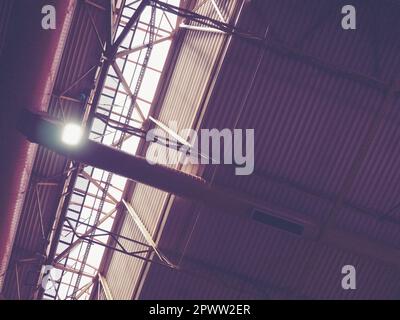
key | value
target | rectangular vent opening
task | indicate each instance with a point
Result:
(276, 222)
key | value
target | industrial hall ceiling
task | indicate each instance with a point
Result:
(200, 149)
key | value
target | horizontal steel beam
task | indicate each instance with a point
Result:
(146, 234)
(126, 52)
(48, 133)
(197, 28)
(73, 245)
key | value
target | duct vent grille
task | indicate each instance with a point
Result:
(277, 222)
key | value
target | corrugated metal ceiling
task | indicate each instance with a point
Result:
(198, 56)
(311, 123)
(81, 54)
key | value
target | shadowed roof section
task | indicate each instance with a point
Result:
(324, 105)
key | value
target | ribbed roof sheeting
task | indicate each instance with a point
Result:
(48, 167)
(310, 121)
(309, 125)
(315, 28)
(242, 258)
(194, 68)
(81, 52)
(379, 190)
(128, 267)
(187, 87)
(5, 14)
(123, 270)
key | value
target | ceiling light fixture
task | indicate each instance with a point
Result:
(72, 134)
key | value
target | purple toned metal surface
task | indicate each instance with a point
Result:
(5, 15)
(30, 61)
(310, 123)
(199, 57)
(80, 56)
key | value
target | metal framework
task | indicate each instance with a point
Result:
(115, 114)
